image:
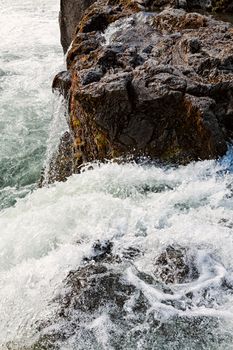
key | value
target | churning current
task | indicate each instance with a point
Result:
(30, 55)
(153, 244)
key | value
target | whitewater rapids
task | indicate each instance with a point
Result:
(30, 56)
(45, 233)
(49, 232)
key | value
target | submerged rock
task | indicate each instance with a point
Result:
(96, 288)
(174, 265)
(108, 303)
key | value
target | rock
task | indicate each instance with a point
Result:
(199, 4)
(107, 298)
(62, 163)
(149, 84)
(191, 5)
(62, 83)
(182, 4)
(90, 75)
(89, 291)
(194, 45)
(101, 251)
(222, 6)
(71, 11)
(175, 265)
(207, 5)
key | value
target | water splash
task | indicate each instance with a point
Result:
(58, 126)
(147, 208)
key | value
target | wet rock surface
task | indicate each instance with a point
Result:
(149, 84)
(109, 293)
(71, 12)
(62, 163)
(174, 265)
(62, 83)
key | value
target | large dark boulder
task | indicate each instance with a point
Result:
(149, 84)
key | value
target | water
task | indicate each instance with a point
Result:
(30, 54)
(142, 209)
(49, 232)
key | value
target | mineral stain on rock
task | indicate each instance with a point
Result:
(140, 83)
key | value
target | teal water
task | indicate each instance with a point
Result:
(30, 55)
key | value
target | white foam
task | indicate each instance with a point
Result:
(30, 56)
(39, 235)
(47, 234)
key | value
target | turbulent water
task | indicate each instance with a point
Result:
(30, 55)
(142, 208)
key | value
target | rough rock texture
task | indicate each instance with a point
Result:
(175, 265)
(62, 81)
(71, 12)
(109, 301)
(209, 5)
(148, 84)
